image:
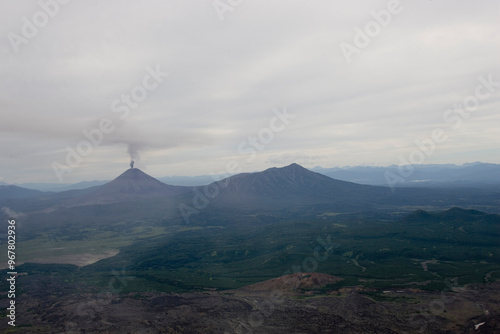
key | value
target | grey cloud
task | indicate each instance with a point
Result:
(227, 76)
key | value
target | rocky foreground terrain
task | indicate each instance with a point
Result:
(289, 305)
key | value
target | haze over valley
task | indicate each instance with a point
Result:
(278, 238)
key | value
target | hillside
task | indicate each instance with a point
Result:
(297, 282)
(15, 192)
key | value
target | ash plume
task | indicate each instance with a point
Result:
(133, 152)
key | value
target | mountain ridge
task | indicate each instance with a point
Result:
(276, 188)
(470, 174)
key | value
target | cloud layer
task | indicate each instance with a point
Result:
(225, 78)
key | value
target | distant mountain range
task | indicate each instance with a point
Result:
(287, 188)
(445, 175)
(58, 187)
(473, 174)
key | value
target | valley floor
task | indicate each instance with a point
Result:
(472, 309)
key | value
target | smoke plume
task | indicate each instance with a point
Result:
(133, 152)
(12, 213)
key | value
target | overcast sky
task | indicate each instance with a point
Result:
(357, 92)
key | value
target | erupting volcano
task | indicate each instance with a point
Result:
(133, 184)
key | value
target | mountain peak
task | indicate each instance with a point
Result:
(294, 165)
(134, 184)
(289, 185)
(288, 170)
(134, 173)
